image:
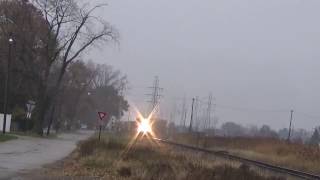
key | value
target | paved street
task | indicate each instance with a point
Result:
(27, 153)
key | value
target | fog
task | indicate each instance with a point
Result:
(258, 58)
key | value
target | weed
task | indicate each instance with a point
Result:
(265, 149)
(87, 147)
(103, 159)
(124, 171)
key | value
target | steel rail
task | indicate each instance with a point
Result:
(292, 172)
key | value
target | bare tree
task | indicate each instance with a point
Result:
(107, 76)
(72, 30)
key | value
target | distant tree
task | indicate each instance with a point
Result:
(283, 133)
(86, 89)
(300, 135)
(252, 130)
(266, 131)
(232, 129)
(77, 80)
(315, 138)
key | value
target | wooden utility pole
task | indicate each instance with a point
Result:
(290, 126)
(191, 120)
(207, 123)
(183, 113)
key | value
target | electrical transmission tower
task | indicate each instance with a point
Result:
(155, 96)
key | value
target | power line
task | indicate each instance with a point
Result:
(307, 115)
(251, 109)
(211, 109)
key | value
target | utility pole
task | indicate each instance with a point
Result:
(155, 95)
(183, 113)
(191, 120)
(7, 85)
(209, 108)
(196, 113)
(290, 126)
(215, 121)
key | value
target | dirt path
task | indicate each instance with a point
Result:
(27, 153)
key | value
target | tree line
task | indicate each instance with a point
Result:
(49, 38)
(232, 129)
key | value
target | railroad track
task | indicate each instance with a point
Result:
(278, 169)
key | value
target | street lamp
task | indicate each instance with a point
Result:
(7, 81)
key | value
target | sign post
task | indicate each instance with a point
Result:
(102, 115)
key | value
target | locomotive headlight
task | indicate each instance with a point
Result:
(144, 126)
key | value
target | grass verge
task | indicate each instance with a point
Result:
(107, 159)
(292, 155)
(7, 137)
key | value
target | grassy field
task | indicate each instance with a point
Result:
(108, 159)
(7, 137)
(292, 155)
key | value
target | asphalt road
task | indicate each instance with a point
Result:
(28, 153)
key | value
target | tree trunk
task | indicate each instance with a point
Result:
(53, 109)
(43, 103)
(54, 96)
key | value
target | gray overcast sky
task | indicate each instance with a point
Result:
(261, 54)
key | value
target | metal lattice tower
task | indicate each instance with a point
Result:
(155, 96)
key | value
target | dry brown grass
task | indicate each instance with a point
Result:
(148, 161)
(292, 155)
